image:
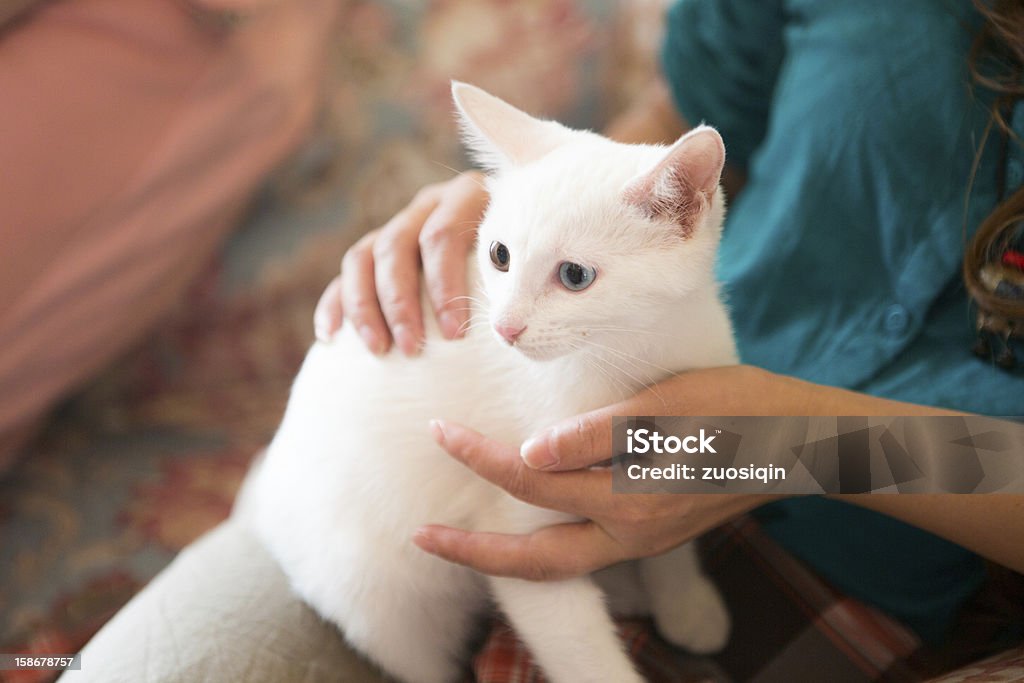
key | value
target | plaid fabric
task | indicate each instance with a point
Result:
(788, 626)
(1002, 668)
(504, 659)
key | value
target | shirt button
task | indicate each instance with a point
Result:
(1014, 174)
(896, 319)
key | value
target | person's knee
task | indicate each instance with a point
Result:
(222, 611)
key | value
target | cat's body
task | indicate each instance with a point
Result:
(353, 470)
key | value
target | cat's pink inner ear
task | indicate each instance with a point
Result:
(681, 186)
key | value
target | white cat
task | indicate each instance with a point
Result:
(594, 277)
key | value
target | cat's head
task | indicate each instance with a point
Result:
(589, 243)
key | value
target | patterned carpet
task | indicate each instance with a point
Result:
(149, 455)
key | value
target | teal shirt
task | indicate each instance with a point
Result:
(857, 129)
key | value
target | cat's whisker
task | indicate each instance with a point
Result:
(477, 300)
(632, 360)
(470, 226)
(596, 366)
(628, 356)
(593, 360)
(475, 303)
(474, 323)
(646, 384)
(628, 390)
(458, 172)
(629, 330)
(649, 384)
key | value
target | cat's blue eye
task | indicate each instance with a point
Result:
(500, 256)
(576, 277)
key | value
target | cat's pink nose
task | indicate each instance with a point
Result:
(510, 332)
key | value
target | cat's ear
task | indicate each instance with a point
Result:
(681, 186)
(500, 135)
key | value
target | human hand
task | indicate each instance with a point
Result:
(552, 470)
(378, 289)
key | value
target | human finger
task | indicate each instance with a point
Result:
(554, 552)
(359, 295)
(445, 242)
(583, 493)
(396, 256)
(329, 312)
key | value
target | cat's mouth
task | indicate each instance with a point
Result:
(537, 345)
(540, 351)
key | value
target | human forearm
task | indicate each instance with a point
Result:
(824, 400)
(991, 525)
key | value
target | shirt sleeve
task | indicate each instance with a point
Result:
(721, 59)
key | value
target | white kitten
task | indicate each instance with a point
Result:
(595, 259)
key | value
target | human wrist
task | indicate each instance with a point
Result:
(752, 501)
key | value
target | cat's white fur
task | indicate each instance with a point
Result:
(353, 471)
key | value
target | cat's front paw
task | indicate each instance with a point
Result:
(696, 619)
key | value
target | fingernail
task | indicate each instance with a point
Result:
(321, 327)
(437, 431)
(423, 539)
(371, 339)
(405, 340)
(536, 453)
(450, 325)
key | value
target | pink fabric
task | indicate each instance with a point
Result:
(131, 136)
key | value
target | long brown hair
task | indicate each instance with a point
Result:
(996, 64)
